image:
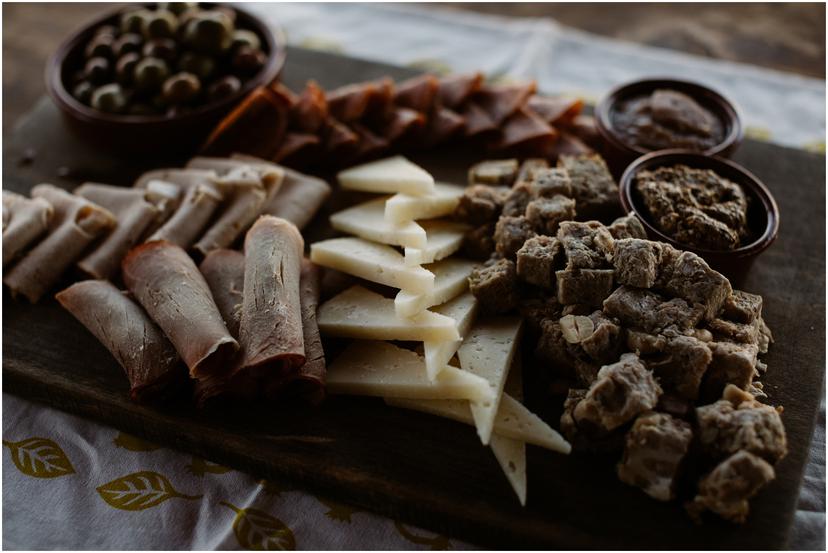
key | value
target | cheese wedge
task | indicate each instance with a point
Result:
(371, 261)
(451, 278)
(367, 220)
(462, 310)
(443, 238)
(385, 370)
(511, 456)
(488, 351)
(362, 314)
(441, 202)
(513, 420)
(389, 175)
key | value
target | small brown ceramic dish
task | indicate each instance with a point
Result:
(159, 135)
(621, 153)
(763, 213)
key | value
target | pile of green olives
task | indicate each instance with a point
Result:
(167, 60)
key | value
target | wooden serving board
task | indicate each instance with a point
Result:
(418, 468)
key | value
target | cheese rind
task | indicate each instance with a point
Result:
(360, 313)
(385, 370)
(462, 309)
(443, 238)
(488, 351)
(389, 175)
(511, 456)
(375, 262)
(451, 278)
(441, 202)
(367, 220)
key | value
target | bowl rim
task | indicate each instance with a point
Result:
(732, 116)
(749, 181)
(273, 35)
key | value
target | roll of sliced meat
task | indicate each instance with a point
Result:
(24, 221)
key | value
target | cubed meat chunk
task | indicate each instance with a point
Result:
(727, 489)
(742, 307)
(510, 234)
(645, 310)
(565, 358)
(584, 286)
(586, 436)
(739, 422)
(729, 331)
(587, 245)
(604, 343)
(628, 226)
(655, 447)
(517, 199)
(535, 310)
(682, 365)
(495, 172)
(538, 259)
(551, 182)
(478, 243)
(636, 262)
(644, 343)
(480, 204)
(529, 167)
(592, 186)
(545, 214)
(692, 279)
(495, 286)
(621, 392)
(731, 364)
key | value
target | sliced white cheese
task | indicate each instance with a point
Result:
(385, 370)
(488, 351)
(367, 220)
(511, 456)
(371, 261)
(360, 313)
(441, 202)
(443, 238)
(451, 278)
(438, 354)
(389, 175)
(513, 420)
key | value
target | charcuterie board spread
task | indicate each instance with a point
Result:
(410, 313)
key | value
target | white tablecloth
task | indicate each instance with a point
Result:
(69, 483)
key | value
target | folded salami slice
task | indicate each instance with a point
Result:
(350, 102)
(556, 110)
(134, 214)
(443, 125)
(370, 144)
(270, 330)
(224, 272)
(528, 134)
(418, 93)
(479, 124)
(310, 111)
(256, 127)
(149, 359)
(501, 101)
(585, 128)
(339, 141)
(381, 99)
(192, 216)
(569, 144)
(24, 221)
(76, 223)
(297, 147)
(401, 123)
(166, 282)
(454, 90)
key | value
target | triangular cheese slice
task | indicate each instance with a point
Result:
(451, 278)
(375, 262)
(385, 370)
(360, 313)
(487, 351)
(389, 175)
(511, 456)
(443, 238)
(441, 202)
(367, 220)
(462, 309)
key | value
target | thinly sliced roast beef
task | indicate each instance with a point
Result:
(24, 221)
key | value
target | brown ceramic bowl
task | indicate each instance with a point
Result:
(763, 213)
(621, 153)
(156, 135)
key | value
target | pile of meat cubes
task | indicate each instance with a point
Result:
(659, 352)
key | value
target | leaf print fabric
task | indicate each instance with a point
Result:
(40, 458)
(139, 491)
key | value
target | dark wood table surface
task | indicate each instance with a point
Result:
(789, 37)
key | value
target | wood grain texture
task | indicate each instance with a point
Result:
(410, 466)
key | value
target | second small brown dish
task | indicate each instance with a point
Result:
(763, 213)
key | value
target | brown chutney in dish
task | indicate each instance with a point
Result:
(667, 119)
(696, 207)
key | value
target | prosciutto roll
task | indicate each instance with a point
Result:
(123, 327)
(270, 330)
(134, 214)
(24, 221)
(224, 272)
(166, 282)
(454, 90)
(76, 223)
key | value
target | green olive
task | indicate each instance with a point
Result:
(160, 24)
(109, 98)
(97, 70)
(181, 88)
(100, 46)
(248, 61)
(128, 42)
(177, 7)
(243, 37)
(125, 68)
(150, 73)
(198, 64)
(162, 48)
(132, 21)
(224, 88)
(83, 92)
(209, 32)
